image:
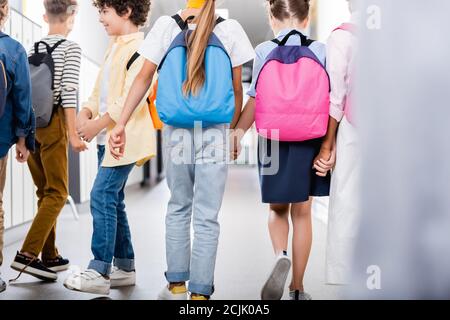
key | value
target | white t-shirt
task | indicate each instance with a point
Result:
(103, 108)
(230, 33)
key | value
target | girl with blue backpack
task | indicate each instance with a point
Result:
(289, 101)
(199, 58)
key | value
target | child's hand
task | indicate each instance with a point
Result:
(82, 118)
(89, 130)
(77, 144)
(324, 161)
(235, 145)
(117, 142)
(22, 153)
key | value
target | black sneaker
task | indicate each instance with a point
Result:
(59, 264)
(33, 267)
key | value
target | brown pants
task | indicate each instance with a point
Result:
(3, 162)
(49, 169)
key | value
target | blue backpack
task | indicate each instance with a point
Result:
(215, 102)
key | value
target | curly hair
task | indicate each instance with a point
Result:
(139, 9)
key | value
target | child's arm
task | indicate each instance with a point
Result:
(90, 108)
(92, 128)
(246, 121)
(22, 112)
(238, 94)
(326, 159)
(75, 141)
(337, 64)
(247, 117)
(137, 92)
(69, 93)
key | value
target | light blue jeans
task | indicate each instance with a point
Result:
(196, 170)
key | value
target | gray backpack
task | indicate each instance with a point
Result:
(42, 72)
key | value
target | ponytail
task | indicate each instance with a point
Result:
(196, 48)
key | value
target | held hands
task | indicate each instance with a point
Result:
(82, 118)
(325, 161)
(77, 144)
(235, 145)
(117, 142)
(89, 130)
(22, 153)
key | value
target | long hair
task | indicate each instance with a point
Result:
(196, 48)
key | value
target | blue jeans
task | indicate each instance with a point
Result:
(196, 181)
(111, 237)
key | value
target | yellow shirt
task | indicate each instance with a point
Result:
(141, 136)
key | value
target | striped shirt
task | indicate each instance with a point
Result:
(67, 59)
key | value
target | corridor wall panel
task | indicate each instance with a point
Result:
(19, 197)
(7, 196)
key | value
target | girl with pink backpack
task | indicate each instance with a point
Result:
(289, 102)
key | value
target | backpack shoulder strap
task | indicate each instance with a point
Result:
(133, 59)
(184, 24)
(180, 22)
(276, 41)
(56, 45)
(36, 46)
(304, 40)
(47, 46)
(3, 35)
(220, 20)
(350, 27)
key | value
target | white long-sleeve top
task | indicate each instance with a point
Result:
(341, 49)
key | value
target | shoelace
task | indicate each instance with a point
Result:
(57, 259)
(89, 275)
(23, 269)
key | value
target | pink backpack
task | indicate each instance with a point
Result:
(348, 107)
(292, 93)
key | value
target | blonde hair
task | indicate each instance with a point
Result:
(3, 11)
(196, 47)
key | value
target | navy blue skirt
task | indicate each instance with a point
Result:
(287, 174)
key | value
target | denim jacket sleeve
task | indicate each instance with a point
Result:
(21, 96)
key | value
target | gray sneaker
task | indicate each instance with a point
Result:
(297, 295)
(2, 285)
(275, 285)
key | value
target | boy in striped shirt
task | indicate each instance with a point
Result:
(49, 164)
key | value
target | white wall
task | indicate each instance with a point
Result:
(331, 13)
(88, 32)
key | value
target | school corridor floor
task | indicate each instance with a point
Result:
(244, 258)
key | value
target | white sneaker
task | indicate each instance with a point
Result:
(120, 278)
(89, 281)
(273, 289)
(177, 293)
